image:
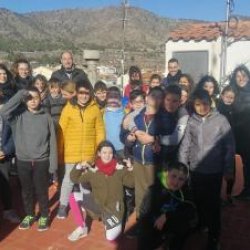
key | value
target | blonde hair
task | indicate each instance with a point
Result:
(69, 86)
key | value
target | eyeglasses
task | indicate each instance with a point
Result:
(82, 92)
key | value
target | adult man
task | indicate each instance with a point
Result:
(174, 73)
(68, 70)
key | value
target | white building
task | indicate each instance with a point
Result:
(197, 46)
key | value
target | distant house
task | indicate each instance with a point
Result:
(197, 46)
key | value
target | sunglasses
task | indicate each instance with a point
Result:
(82, 92)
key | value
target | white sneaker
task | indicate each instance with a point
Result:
(11, 216)
(78, 233)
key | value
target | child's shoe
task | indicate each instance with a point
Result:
(11, 216)
(43, 224)
(62, 212)
(78, 233)
(27, 222)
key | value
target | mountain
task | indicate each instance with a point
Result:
(82, 28)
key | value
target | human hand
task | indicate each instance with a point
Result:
(144, 138)
(131, 138)
(160, 222)
(128, 164)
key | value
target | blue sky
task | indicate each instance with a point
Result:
(213, 10)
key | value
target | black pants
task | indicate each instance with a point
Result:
(34, 176)
(245, 155)
(5, 189)
(206, 190)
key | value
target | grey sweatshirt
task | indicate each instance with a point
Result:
(208, 145)
(34, 133)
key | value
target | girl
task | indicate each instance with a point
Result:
(40, 82)
(36, 152)
(22, 72)
(186, 80)
(106, 200)
(211, 86)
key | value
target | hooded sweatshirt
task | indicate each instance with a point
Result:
(34, 133)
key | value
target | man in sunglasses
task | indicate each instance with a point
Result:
(81, 130)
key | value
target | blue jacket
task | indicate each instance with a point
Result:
(113, 122)
(144, 154)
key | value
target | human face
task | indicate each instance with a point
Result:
(101, 95)
(184, 81)
(228, 97)
(241, 78)
(201, 108)
(3, 76)
(138, 103)
(171, 103)
(209, 87)
(23, 70)
(176, 179)
(55, 91)
(67, 95)
(135, 76)
(173, 68)
(83, 96)
(34, 101)
(155, 82)
(39, 85)
(184, 97)
(106, 154)
(67, 60)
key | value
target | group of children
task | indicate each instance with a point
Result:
(142, 145)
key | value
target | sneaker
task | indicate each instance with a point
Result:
(62, 212)
(43, 224)
(11, 216)
(78, 233)
(133, 232)
(27, 222)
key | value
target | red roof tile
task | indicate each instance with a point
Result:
(210, 31)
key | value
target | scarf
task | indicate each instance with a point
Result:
(106, 168)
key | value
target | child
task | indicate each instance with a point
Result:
(40, 82)
(172, 121)
(100, 90)
(113, 117)
(55, 102)
(186, 80)
(211, 86)
(208, 148)
(68, 90)
(36, 152)
(106, 200)
(167, 211)
(155, 81)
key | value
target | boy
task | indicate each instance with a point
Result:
(208, 147)
(172, 121)
(166, 211)
(100, 92)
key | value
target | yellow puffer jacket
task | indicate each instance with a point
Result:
(81, 131)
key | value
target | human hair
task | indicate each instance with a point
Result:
(87, 85)
(64, 52)
(103, 144)
(135, 93)
(133, 70)
(155, 76)
(14, 67)
(156, 93)
(100, 86)
(69, 86)
(240, 68)
(173, 89)
(185, 88)
(4, 67)
(173, 60)
(208, 78)
(178, 166)
(190, 80)
(227, 88)
(114, 92)
(200, 94)
(41, 78)
(54, 83)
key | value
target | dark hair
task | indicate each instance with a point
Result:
(9, 75)
(156, 93)
(208, 78)
(135, 93)
(185, 88)
(173, 89)
(241, 68)
(114, 92)
(190, 80)
(178, 166)
(134, 69)
(54, 82)
(87, 85)
(41, 78)
(173, 60)
(228, 88)
(201, 94)
(103, 144)
(14, 67)
(155, 76)
(100, 85)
